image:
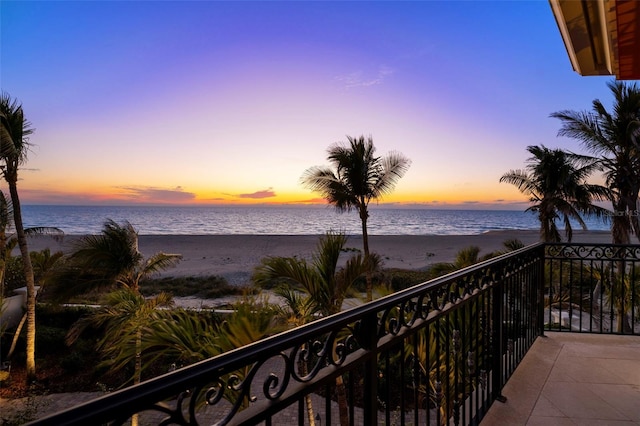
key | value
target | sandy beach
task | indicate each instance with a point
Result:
(235, 256)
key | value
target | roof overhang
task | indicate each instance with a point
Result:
(602, 37)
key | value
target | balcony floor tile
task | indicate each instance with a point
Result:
(573, 379)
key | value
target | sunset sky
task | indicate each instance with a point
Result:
(209, 102)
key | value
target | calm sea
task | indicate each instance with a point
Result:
(280, 220)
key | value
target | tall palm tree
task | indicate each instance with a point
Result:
(555, 182)
(356, 177)
(8, 242)
(323, 281)
(614, 138)
(14, 146)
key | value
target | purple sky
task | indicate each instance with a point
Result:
(230, 102)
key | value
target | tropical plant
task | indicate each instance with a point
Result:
(356, 177)
(123, 316)
(7, 243)
(112, 259)
(470, 255)
(449, 354)
(14, 146)
(555, 181)
(464, 257)
(613, 138)
(325, 284)
(622, 291)
(41, 270)
(186, 337)
(298, 309)
(108, 260)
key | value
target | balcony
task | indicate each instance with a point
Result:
(438, 353)
(573, 379)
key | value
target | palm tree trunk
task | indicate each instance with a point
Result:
(364, 215)
(307, 398)
(28, 274)
(137, 370)
(341, 394)
(312, 420)
(16, 335)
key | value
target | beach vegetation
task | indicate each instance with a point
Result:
(325, 284)
(204, 287)
(108, 261)
(12, 275)
(612, 137)
(399, 279)
(618, 293)
(111, 260)
(15, 130)
(464, 257)
(122, 318)
(555, 182)
(176, 338)
(322, 279)
(470, 255)
(355, 177)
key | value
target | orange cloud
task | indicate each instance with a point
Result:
(265, 193)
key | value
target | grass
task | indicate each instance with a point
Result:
(207, 287)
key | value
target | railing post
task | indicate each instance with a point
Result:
(497, 361)
(369, 342)
(540, 278)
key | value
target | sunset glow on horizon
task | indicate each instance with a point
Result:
(228, 103)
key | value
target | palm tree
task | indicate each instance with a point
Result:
(357, 177)
(109, 260)
(123, 316)
(8, 242)
(613, 137)
(555, 182)
(622, 291)
(298, 309)
(321, 279)
(112, 259)
(186, 337)
(14, 145)
(323, 282)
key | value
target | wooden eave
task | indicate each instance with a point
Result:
(602, 37)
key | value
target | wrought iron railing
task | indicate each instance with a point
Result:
(593, 288)
(437, 353)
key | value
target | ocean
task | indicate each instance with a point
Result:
(281, 220)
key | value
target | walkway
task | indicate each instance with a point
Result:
(573, 379)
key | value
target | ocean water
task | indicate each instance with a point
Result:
(209, 220)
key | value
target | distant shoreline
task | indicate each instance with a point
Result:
(235, 256)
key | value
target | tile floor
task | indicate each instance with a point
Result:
(573, 379)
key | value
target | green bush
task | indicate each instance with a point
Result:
(14, 275)
(205, 287)
(405, 278)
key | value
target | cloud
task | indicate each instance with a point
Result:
(265, 193)
(149, 194)
(359, 79)
(318, 200)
